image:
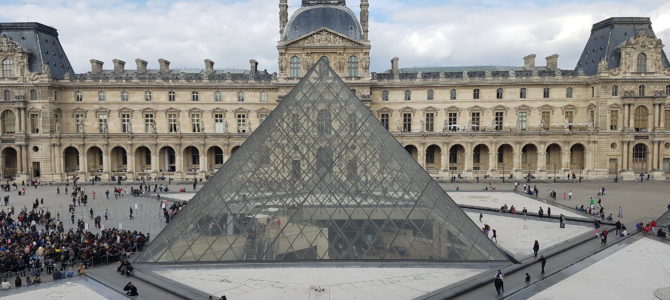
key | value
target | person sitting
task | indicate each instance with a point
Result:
(661, 233)
(29, 281)
(37, 279)
(81, 270)
(17, 281)
(130, 289)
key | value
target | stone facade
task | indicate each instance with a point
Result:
(472, 122)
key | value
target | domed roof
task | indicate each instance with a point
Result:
(337, 18)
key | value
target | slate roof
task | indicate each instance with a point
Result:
(338, 18)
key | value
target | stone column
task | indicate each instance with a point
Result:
(83, 168)
(444, 163)
(493, 158)
(468, 152)
(19, 160)
(625, 117)
(421, 155)
(203, 162)
(131, 163)
(652, 116)
(662, 122)
(622, 165)
(154, 160)
(541, 158)
(566, 157)
(516, 158)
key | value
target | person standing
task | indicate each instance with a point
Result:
(603, 237)
(570, 195)
(620, 212)
(548, 211)
(106, 214)
(131, 212)
(525, 212)
(540, 212)
(527, 279)
(543, 262)
(480, 217)
(561, 220)
(107, 194)
(618, 227)
(536, 248)
(495, 236)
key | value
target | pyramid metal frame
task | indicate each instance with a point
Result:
(321, 180)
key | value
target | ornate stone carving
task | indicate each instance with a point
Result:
(324, 38)
(8, 45)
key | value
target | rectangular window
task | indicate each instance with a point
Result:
(569, 116)
(498, 120)
(452, 94)
(452, 121)
(34, 123)
(474, 121)
(522, 93)
(78, 96)
(173, 123)
(546, 93)
(125, 123)
(667, 119)
(296, 173)
(219, 123)
(615, 90)
(614, 119)
(195, 97)
(217, 96)
(408, 95)
(241, 123)
(149, 123)
(147, 96)
(101, 96)
(406, 122)
(240, 96)
(475, 94)
(33, 95)
(79, 122)
(264, 97)
(324, 122)
(172, 96)
(523, 120)
(196, 123)
(546, 120)
(430, 122)
(385, 120)
(124, 96)
(430, 95)
(385, 95)
(102, 122)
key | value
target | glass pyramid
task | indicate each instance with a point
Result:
(321, 179)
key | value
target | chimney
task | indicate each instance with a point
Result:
(529, 62)
(164, 65)
(394, 65)
(552, 62)
(283, 15)
(365, 16)
(96, 66)
(119, 66)
(141, 66)
(253, 64)
(209, 66)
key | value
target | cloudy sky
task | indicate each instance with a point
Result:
(420, 32)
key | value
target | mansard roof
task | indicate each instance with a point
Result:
(311, 17)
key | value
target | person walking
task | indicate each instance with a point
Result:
(536, 248)
(480, 217)
(617, 226)
(548, 212)
(525, 212)
(570, 195)
(499, 285)
(131, 213)
(540, 212)
(495, 236)
(543, 262)
(561, 220)
(527, 279)
(603, 237)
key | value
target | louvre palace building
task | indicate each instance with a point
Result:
(607, 117)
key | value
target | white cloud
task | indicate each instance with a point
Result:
(231, 32)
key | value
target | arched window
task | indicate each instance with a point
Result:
(8, 121)
(7, 67)
(615, 90)
(640, 153)
(642, 63)
(641, 118)
(499, 94)
(408, 95)
(353, 66)
(452, 94)
(7, 95)
(642, 90)
(568, 92)
(295, 67)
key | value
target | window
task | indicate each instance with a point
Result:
(241, 123)
(642, 89)
(453, 156)
(34, 123)
(262, 117)
(147, 96)
(149, 124)
(522, 93)
(240, 96)
(295, 67)
(614, 119)
(195, 156)
(475, 94)
(102, 123)
(569, 118)
(7, 95)
(7, 67)
(195, 97)
(171, 96)
(498, 120)
(78, 96)
(79, 123)
(324, 160)
(593, 92)
(452, 94)
(33, 95)
(523, 120)
(406, 122)
(477, 155)
(323, 122)
(295, 123)
(385, 119)
(218, 156)
(125, 123)
(385, 95)
(642, 63)
(196, 123)
(667, 119)
(430, 95)
(546, 120)
(173, 123)
(452, 121)
(217, 96)
(475, 121)
(296, 172)
(641, 118)
(499, 93)
(430, 122)
(124, 96)
(667, 90)
(101, 96)
(8, 122)
(640, 153)
(615, 90)
(568, 93)
(546, 93)
(408, 95)
(264, 97)
(353, 66)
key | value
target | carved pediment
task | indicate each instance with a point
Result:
(407, 109)
(523, 107)
(546, 107)
(430, 109)
(385, 110)
(8, 45)
(453, 109)
(476, 108)
(499, 108)
(324, 37)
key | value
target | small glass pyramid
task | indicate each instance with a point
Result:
(321, 179)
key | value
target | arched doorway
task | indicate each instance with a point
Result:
(529, 158)
(577, 157)
(167, 159)
(480, 159)
(456, 158)
(119, 160)
(143, 160)
(214, 158)
(191, 159)
(71, 157)
(8, 122)
(505, 158)
(640, 158)
(94, 160)
(433, 157)
(554, 159)
(413, 151)
(10, 162)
